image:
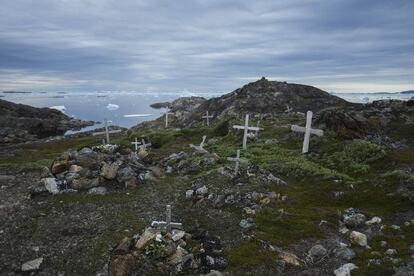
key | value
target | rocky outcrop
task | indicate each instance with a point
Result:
(183, 104)
(264, 96)
(377, 119)
(20, 123)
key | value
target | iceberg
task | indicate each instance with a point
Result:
(112, 106)
(137, 115)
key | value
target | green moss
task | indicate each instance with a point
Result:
(247, 255)
(161, 139)
(221, 129)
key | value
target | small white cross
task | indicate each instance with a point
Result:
(207, 117)
(238, 160)
(308, 130)
(246, 129)
(167, 224)
(166, 118)
(107, 131)
(288, 109)
(201, 146)
(136, 143)
(143, 145)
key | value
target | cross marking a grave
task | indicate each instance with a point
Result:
(107, 132)
(207, 117)
(136, 143)
(308, 130)
(143, 145)
(238, 160)
(167, 224)
(166, 118)
(201, 146)
(246, 129)
(288, 109)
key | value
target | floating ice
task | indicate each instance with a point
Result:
(137, 115)
(112, 106)
(61, 108)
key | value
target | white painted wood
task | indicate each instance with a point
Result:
(201, 146)
(106, 132)
(166, 118)
(238, 160)
(144, 145)
(246, 129)
(288, 109)
(207, 117)
(167, 224)
(308, 130)
(136, 143)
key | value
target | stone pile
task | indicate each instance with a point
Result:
(158, 252)
(184, 163)
(92, 169)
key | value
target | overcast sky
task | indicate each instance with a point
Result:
(203, 45)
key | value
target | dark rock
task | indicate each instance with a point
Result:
(84, 183)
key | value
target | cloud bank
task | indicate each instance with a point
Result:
(196, 45)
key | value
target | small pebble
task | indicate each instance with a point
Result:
(383, 243)
(395, 227)
(391, 252)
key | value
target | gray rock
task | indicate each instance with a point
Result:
(246, 223)
(32, 265)
(189, 193)
(405, 270)
(51, 185)
(317, 252)
(345, 253)
(84, 183)
(109, 171)
(345, 270)
(391, 252)
(353, 218)
(202, 191)
(125, 174)
(358, 238)
(98, 191)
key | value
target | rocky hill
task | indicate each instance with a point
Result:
(19, 122)
(264, 96)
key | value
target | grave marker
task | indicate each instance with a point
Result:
(246, 129)
(166, 118)
(136, 143)
(308, 130)
(143, 145)
(201, 146)
(238, 160)
(167, 224)
(207, 117)
(288, 109)
(107, 132)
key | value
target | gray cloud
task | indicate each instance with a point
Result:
(205, 45)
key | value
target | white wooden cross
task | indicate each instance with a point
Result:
(288, 109)
(166, 118)
(308, 130)
(167, 224)
(207, 117)
(107, 132)
(201, 146)
(143, 145)
(136, 143)
(238, 160)
(246, 129)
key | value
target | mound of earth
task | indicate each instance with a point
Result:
(20, 123)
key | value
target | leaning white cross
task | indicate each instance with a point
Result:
(238, 160)
(201, 146)
(136, 143)
(167, 224)
(107, 132)
(288, 109)
(246, 130)
(308, 130)
(207, 117)
(143, 145)
(166, 118)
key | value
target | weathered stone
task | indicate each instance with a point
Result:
(121, 265)
(131, 183)
(202, 191)
(345, 270)
(317, 252)
(84, 183)
(246, 223)
(32, 265)
(109, 171)
(177, 234)
(391, 252)
(124, 247)
(353, 218)
(51, 185)
(98, 191)
(358, 238)
(142, 154)
(125, 173)
(177, 257)
(148, 235)
(405, 270)
(59, 166)
(189, 193)
(75, 169)
(290, 258)
(373, 220)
